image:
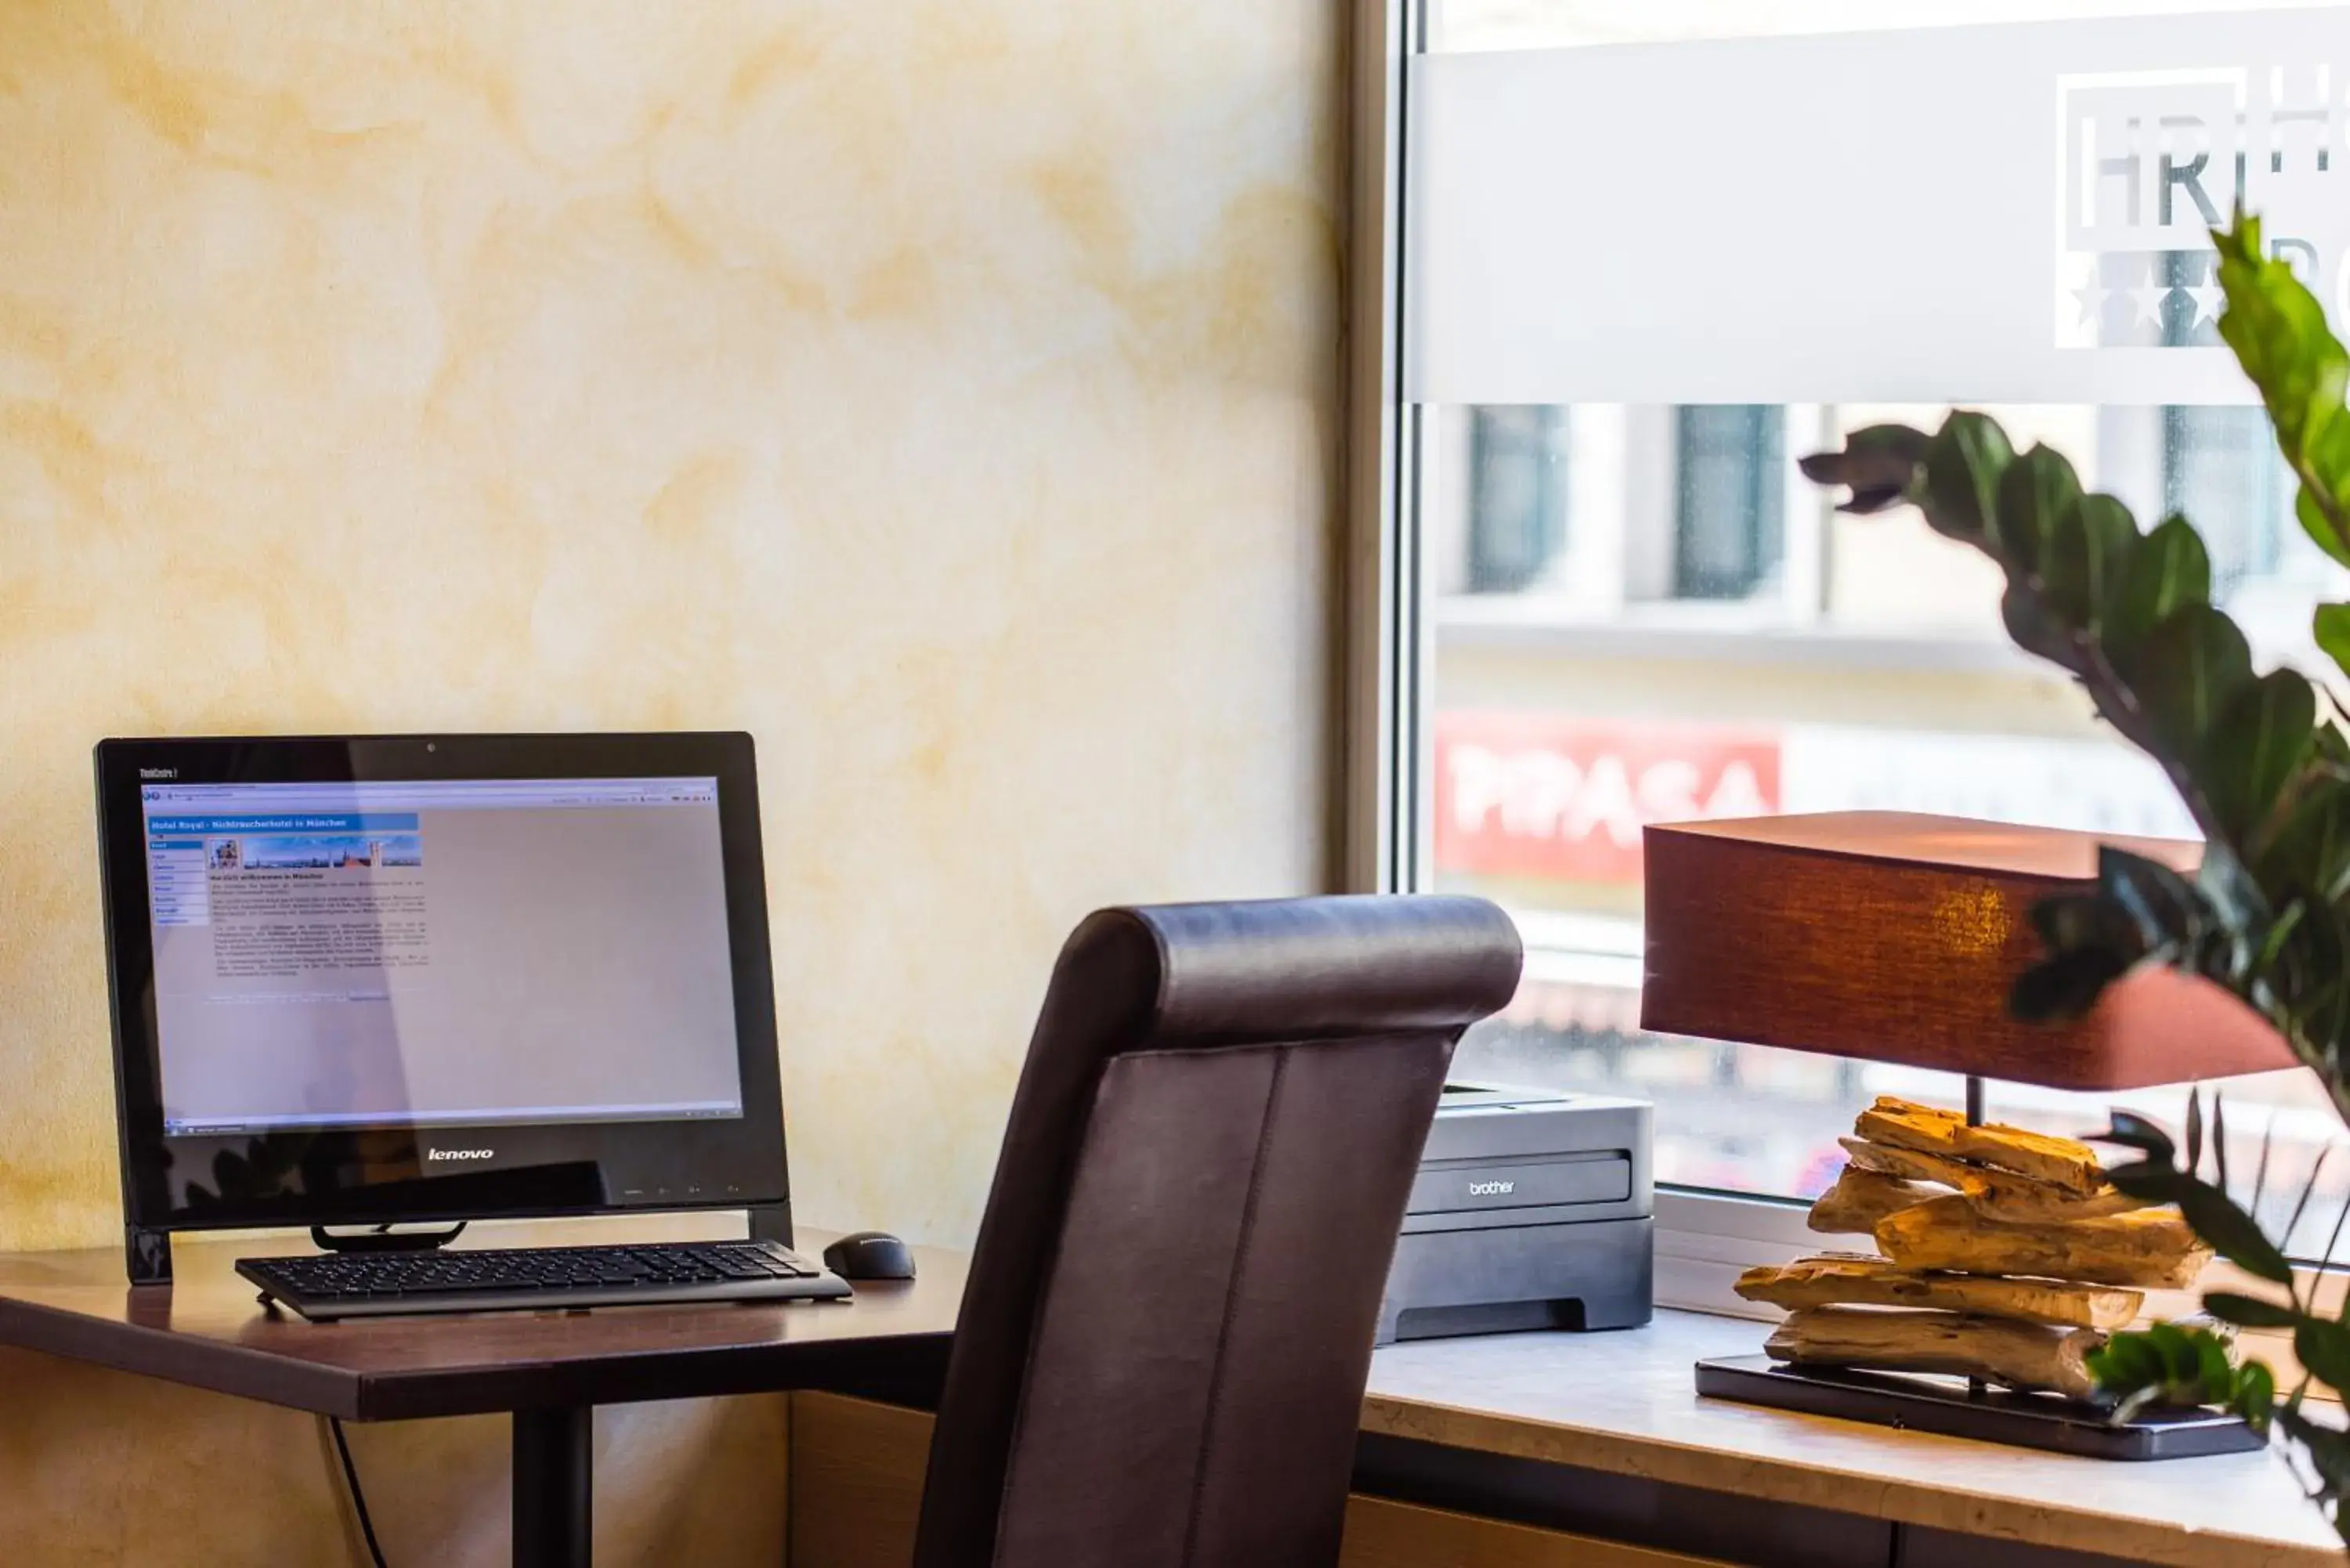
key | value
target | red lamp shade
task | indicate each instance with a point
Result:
(1896, 938)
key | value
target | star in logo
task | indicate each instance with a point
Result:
(2148, 297)
(2208, 297)
(2092, 303)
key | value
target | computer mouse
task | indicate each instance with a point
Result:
(870, 1255)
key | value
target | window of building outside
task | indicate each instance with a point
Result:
(1639, 611)
(1517, 517)
(1729, 494)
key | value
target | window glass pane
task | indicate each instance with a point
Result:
(1642, 281)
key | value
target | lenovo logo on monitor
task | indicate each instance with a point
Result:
(431, 1154)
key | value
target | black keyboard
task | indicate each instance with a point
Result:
(548, 1279)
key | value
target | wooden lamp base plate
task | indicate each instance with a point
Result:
(1923, 1403)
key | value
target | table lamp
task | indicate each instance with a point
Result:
(1897, 937)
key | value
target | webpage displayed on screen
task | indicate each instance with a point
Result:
(442, 953)
(1655, 253)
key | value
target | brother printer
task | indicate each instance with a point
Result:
(1533, 1209)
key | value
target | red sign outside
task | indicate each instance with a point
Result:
(1532, 794)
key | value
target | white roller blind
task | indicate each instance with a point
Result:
(1992, 214)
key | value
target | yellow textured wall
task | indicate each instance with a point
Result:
(943, 390)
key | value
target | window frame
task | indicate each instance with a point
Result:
(1383, 774)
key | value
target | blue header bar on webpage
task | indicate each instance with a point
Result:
(358, 822)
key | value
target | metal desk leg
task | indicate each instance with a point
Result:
(553, 1486)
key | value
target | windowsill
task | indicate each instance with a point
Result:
(1624, 1404)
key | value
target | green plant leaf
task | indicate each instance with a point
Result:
(2215, 1368)
(2148, 1181)
(2278, 332)
(2280, 335)
(2087, 559)
(2308, 848)
(2126, 1363)
(2261, 1171)
(2187, 671)
(2174, 1348)
(2308, 1192)
(2170, 1363)
(2234, 1234)
(2069, 921)
(1879, 463)
(2065, 986)
(2318, 984)
(2316, 518)
(2330, 627)
(2026, 615)
(2169, 569)
(2133, 1131)
(2249, 1312)
(1959, 489)
(2262, 737)
(2034, 491)
(2091, 943)
(2180, 1363)
(2323, 1347)
(2273, 941)
(2230, 900)
(2164, 906)
(2255, 1395)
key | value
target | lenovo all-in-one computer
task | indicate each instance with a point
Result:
(366, 979)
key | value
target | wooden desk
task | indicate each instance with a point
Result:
(548, 1369)
(1603, 1406)
(1623, 1406)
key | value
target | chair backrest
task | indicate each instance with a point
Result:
(1161, 1357)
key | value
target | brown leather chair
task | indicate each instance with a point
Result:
(1167, 1325)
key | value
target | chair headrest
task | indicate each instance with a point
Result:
(1290, 969)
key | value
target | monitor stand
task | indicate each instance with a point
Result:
(384, 1239)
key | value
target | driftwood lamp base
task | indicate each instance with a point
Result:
(1923, 1403)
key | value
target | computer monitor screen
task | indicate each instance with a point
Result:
(439, 952)
(438, 977)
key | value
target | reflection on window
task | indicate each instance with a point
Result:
(1517, 510)
(1730, 484)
